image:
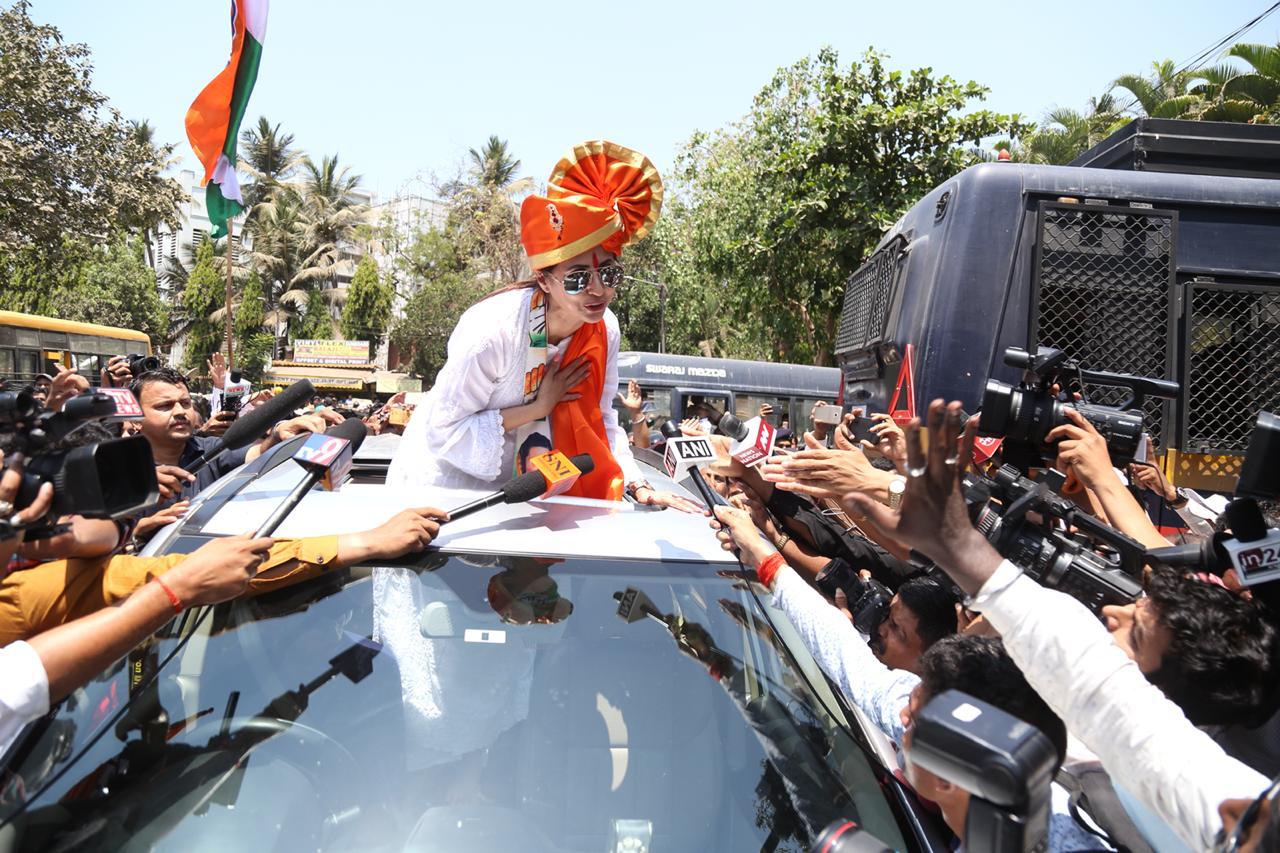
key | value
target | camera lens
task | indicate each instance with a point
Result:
(1122, 430)
(997, 408)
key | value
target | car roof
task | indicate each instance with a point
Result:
(553, 527)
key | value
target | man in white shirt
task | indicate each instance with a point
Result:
(1143, 739)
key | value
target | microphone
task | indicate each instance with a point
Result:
(752, 440)
(327, 459)
(691, 452)
(250, 428)
(671, 430)
(528, 486)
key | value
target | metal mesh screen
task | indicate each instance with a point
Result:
(1233, 363)
(867, 297)
(1104, 285)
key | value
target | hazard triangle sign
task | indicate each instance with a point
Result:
(904, 391)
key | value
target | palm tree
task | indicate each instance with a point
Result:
(269, 158)
(492, 166)
(1065, 133)
(1165, 94)
(143, 135)
(1251, 95)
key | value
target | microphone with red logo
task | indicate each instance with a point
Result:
(327, 460)
(752, 440)
(552, 474)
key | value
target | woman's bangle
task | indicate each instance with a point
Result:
(639, 420)
(178, 606)
(768, 568)
(782, 541)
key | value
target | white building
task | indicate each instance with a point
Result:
(193, 225)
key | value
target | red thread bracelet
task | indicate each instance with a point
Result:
(178, 606)
(768, 568)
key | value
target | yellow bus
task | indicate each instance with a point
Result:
(31, 345)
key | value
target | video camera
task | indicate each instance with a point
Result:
(1068, 563)
(1024, 415)
(108, 479)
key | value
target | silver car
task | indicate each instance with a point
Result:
(562, 675)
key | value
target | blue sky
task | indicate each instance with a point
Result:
(401, 89)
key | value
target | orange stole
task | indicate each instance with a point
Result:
(577, 426)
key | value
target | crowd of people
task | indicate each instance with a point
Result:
(1161, 706)
(78, 597)
(871, 551)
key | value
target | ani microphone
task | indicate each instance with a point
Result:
(532, 485)
(327, 459)
(248, 429)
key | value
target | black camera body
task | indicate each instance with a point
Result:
(1054, 559)
(140, 364)
(868, 599)
(1025, 415)
(108, 479)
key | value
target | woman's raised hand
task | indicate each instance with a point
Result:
(558, 382)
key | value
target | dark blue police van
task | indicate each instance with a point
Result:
(1156, 253)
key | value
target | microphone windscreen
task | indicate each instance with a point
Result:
(671, 429)
(729, 425)
(584, 463)
(352, 429)
(526, 487)
(250, 427)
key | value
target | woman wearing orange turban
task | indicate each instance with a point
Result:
(534, 366)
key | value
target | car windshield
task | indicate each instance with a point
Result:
(457, 704)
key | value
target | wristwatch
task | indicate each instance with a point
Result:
(636, 485)
(1180, 499)
(897, 488)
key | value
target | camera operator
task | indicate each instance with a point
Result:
(1143, 739)
(167, 424)
(1082, 451)
(890, 697)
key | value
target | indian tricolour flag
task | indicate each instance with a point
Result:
(213, 121)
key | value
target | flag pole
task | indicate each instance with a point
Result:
(230, 245)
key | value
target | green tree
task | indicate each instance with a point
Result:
(269, 158)
(367, 312)
(316, 322)
(253, 344)
(69, 164)
(493, 166)
(1249, 94)
(115, 287)
(785, 204)
(440, 288)
(203, 297)
(1165, 93)
(1065, 134)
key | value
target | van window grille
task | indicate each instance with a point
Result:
(1104, 285)
(868, 296)
(1233, 363)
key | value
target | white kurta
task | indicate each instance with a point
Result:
(455, 437)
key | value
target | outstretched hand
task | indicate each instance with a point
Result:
(933, 518)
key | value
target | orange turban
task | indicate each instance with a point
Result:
(601, 194)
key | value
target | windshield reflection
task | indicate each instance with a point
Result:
(462, 704)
